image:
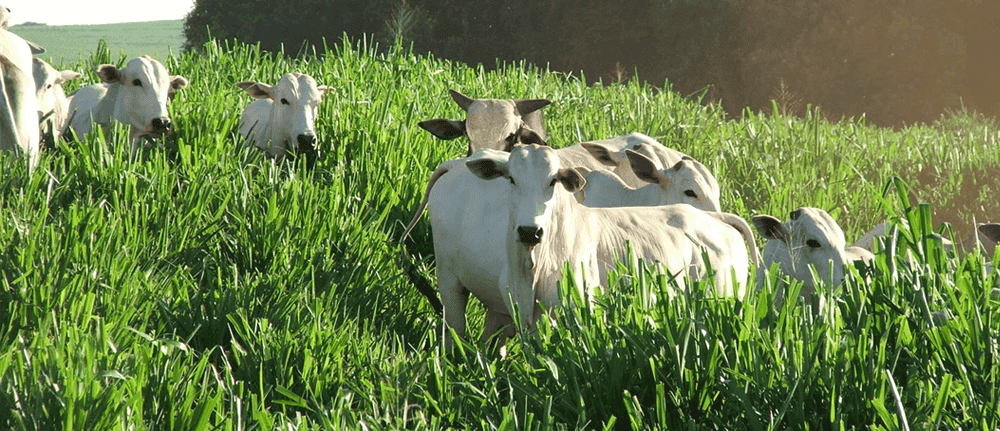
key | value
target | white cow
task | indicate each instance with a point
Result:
(491, 123)
(281, 119)
(53, 105)
(809, 239)
(686, 182)
(18, 106)
(544, 226)
(612, 154)
(135, 96)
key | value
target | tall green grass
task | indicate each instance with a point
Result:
(204, 287)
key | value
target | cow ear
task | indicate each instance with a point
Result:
(643, 167)
(66, 75)
(257, 90)
(35, 49)
(601, 153)
(178, 82)
(444, 129)
(770, 228)
(487, 168)
(571, 179)
(990, 231)
(323, 90)
(461, 99)
(109, 73)
(527, 106)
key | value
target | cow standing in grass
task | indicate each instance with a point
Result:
(53, 105)
(809, 241)
(281, 121)
(18, 106)
(544, 226)
(135, 96)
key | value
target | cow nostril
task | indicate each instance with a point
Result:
(161, 123)
(306, 139)
(529, 235)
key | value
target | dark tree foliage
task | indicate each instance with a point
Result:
(894, 61)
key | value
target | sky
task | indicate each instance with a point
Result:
(69, 12)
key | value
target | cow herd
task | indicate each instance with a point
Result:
(280, 120)
(506, 218)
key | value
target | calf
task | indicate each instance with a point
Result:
(687, 182)
(809, 239)
(53, 106)
(544, 227)
(281, 119)
(135, 96)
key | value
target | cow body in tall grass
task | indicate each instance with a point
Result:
(53, 105)
(809, 241)
(544, 226)
(686, 182)
(18, 106)
(281, 121)
(135, 96)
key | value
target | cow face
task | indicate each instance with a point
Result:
(144, 87)
(294, 104)
(810, 238)
(495, 124)
(535, 175)
(688, 181)
(49, 92)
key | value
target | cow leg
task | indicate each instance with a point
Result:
(454, 298)
(498, 329)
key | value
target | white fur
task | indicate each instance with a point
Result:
(283, 115)
(809, 240)
(590, 239)
(135, 96)
(51, 96)
(18, 106)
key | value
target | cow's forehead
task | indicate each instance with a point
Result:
(148, 68)
(490, 121)
(697, 172)
(534, 161)
(297, 86)
(816, 223)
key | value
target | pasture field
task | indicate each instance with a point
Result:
(204, 288)
(73, 43)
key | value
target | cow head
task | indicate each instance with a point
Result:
(489, 123)
(294, 103)
(810, 238)
(535, 177)
(52, 102)
(144, 88)
(4, 17)
(687, 181)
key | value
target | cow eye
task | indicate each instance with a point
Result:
(284, 101)
(690, 193)
(813, 243)
(136, 82)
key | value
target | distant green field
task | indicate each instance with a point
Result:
(71, 42)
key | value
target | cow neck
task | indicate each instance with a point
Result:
(106, 106)
(647, 195)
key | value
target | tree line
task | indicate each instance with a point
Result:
(894, 61)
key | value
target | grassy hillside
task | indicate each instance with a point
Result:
(72, 42)
(204, 287)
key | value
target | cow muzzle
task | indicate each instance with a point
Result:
(529, 235)
(161, 125)
(306, 143)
